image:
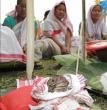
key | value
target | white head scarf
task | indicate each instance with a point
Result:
(12, 13)
(65, 23)
(94, 28)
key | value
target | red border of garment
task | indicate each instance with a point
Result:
(17, 57)
(55, 32)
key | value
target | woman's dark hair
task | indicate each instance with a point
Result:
(18, 2)
(46, 14)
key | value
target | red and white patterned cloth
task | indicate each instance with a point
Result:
(68, 100)
(13, 57)
(22, 83)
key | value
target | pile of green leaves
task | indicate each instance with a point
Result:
(92, 70)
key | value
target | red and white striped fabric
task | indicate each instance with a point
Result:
(64, 103)
(77, 83)
(48, 99)
(82, 80)
(22, 83)
(13, 57)
(40, 85)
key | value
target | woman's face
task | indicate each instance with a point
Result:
(21, 9)
(96, 13)
(60, 11)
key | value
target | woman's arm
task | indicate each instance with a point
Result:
(38, 33)
(62, 47)
(36, 25)
(68, 37)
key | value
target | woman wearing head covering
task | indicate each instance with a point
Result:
(17, 15)
(58, 27)
(95, 26)
(16, 20)
(57, 32)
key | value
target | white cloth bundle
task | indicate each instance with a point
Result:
(61, 100)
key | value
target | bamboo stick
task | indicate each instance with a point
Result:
(30, 38)
(84, 28)
(77, 64)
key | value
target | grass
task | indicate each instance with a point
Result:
(9, 72)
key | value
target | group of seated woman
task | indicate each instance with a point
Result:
(57, 31)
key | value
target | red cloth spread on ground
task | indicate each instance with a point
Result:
(18, 99)
(98, 48)
(96, 45)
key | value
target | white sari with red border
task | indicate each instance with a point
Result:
(10, 49)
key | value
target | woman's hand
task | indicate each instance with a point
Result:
(46, 33)
(64, 50)
(89, 39)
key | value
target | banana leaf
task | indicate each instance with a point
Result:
(92, 70)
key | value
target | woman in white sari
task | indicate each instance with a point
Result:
(58, 27)
(96, 28)
(57, 32)
(16, 20)
(10, 49)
